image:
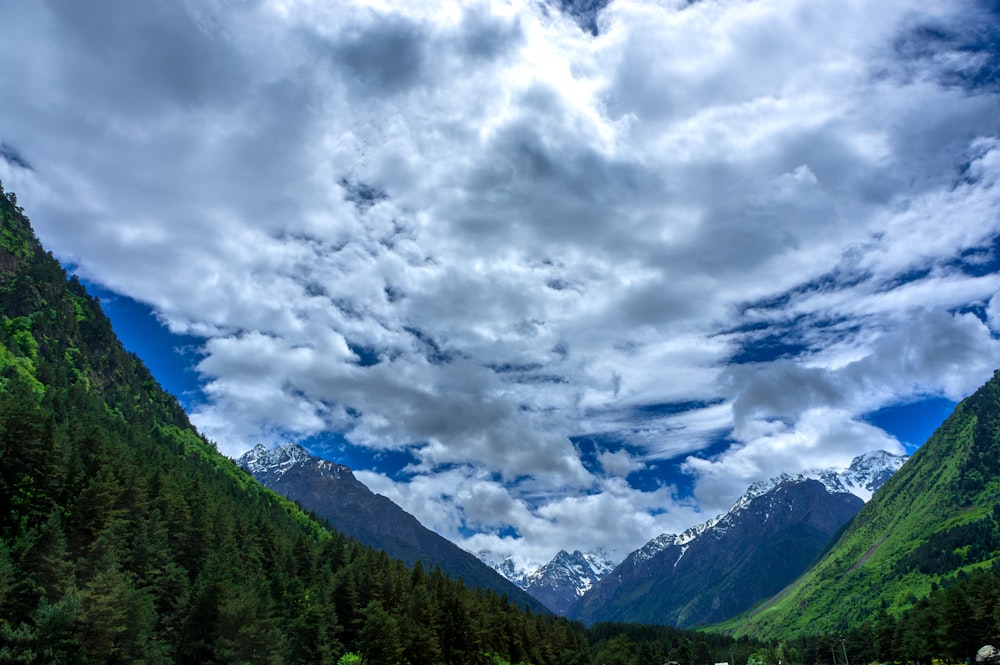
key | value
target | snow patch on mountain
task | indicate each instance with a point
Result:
(566, 578)
(506, 566)
(865, 474)
(272, 464)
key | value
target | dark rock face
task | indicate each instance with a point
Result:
(713, 572)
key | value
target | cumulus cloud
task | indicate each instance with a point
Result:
(718, 232)
(619, 463)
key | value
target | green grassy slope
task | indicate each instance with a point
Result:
(937, 516)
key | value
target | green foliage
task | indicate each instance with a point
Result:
(19, 353)
(350, 658)
(636, 644)
(952, 549)
(16, 237)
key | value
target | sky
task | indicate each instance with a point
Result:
(550, 275)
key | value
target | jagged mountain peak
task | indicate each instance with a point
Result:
(275, 462)
(586, 563)
(333, 492)
(260, 457)
(721, 567)
(506, 566)
(868, 472)
(767, 538)
(865, 474)
(566, 578)
(601, 561)
(561, 581)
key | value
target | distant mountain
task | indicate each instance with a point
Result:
(332, 492)
(558, 583)
(936, 520)
(718, 569)
(562, 581)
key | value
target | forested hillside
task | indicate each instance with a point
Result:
(125, 537)
(949, 625)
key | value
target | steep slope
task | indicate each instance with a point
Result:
(933, 519)
(125, 537)
(563, 580)
(334, 494)
(717, 570)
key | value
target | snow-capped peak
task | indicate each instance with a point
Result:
(862, 477)
(601, 564)
(576, 573)
(506, 566)
(868, 472)
(276, 461)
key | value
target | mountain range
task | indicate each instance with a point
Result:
(332, 492)
(715, 570)
(788, 519)
(798, 518)
(561, 582)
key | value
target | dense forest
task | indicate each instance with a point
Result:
(125, 537)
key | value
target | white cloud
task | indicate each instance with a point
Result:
(789, 416)
(619, 463)
(536, 233)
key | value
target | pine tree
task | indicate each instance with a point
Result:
(379, 638)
